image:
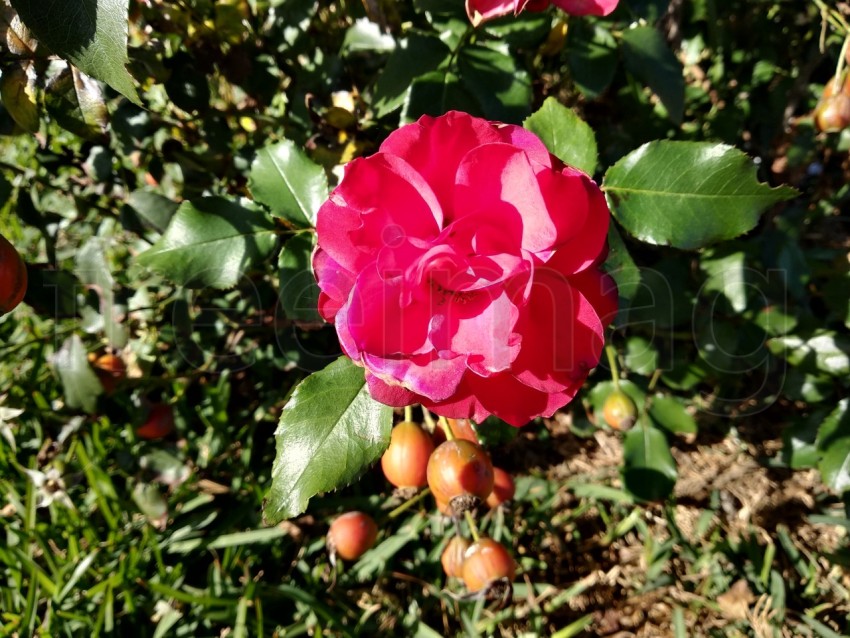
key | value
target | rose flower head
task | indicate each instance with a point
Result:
(459, 265)
(483, 10)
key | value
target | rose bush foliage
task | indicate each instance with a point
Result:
(483, 10)
(459, 265)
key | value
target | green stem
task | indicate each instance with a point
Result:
(401, 509)
(612, 362)
(450, 436)
(473, 528)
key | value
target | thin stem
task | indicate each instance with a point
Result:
(839, 68)
(612, 362)
(450, 436)
(654, 380)
(473, 528)
(408, 413)
(429, 420)
(401, 509)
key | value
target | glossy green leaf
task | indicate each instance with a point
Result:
(625, 272)
(649, 470)
(688, 194)
(211, 242)
(670, 414)
(365, 35)
(289, 183)
(833, 442)
(727, 275)
(492, 76)
(79, 382)
(799, 449)
(648, 56)
(93, 36)
(565, 134)
(414, 56)
(330, 432)
(299, 292)
(825, 351)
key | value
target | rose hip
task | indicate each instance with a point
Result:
(619, 410)
(460, 473)
(351, 535)
(452, 556)
(13, 277)
(405, 461)
(503, 488)
(485, 562)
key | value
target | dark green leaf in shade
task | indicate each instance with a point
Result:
(92, 34)
(825, 351)
(436, 93)
(501, 87)
(79, 381)
(299, 292)
(647, 56)
(833, 442)
(592, 57)
(330, 432)
(565, 134)
(649, 470)
(211, 241)
(670, 414)
(641, 356)
(799, 450)
(153, 209)
(52, 293)
(188, 88)
(76, 102)
(18, 92)
(414, 56)
(289, 183)
(620, 265)
(688, 194)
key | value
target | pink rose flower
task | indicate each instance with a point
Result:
(459, 264)
(482, 10)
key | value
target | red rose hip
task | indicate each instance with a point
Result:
(485, 562)
(351, 535)
(13, 277)
(452, 556)
(405, 461)
(460, 473)
(503, 488)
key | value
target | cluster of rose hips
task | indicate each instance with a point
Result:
(460, 476)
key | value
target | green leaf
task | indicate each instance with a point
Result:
(833, 442)
(365, 35)
(825, 351)
(727, 275)
(92, 34)
(414, 56)
(492, 76)
(299, 292)
(153, 209)
(649, 470)
(648, 57)
(565, 134)
(76, 102)
(289, 183)
(641, 356)
(625, 272)
(799, 449)
(330, 432)
(18, 92)
(688, 194)
(436, 93)
(211, 242)
(92, 269)
(78, 379)
(670, 414)
(592, 57)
